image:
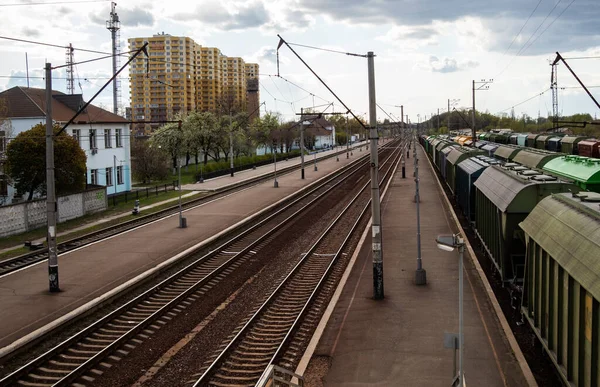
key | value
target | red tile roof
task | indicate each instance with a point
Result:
(28, 102)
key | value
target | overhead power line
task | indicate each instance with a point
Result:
(526, 44)
(523, 26)
(583, 57)
(527, 100)
(327, 49)
(550, 25)
(54, 2)
(54, 45)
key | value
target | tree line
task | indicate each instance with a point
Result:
(461, 119)
(205, 136)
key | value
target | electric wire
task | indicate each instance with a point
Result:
(527, 100)
(53, 45)
(523, 26)
(528, 40)
(55, 2)
(327, 49)
(550, 25)
(583, 57)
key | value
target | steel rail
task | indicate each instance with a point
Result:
(13, 264)
(82, 368)
(296, 325)
(209, 372)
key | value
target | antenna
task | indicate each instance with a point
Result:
(27, 69)
(114, 25)
(70, 79)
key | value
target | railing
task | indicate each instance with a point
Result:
(124, 197)
(243, 167)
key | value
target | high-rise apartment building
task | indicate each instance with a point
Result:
(180, 76)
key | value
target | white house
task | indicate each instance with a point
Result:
(322, 131)
(103, 136)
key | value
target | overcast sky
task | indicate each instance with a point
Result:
(427, 51)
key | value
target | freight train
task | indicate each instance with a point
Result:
(537, 216)
(572, 145)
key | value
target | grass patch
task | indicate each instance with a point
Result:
(120, 209)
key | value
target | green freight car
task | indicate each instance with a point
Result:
(584, 171)
(535, 158)
(452, 160)
(561, 290)
(568, 144)
(507, 152)
(503, 199)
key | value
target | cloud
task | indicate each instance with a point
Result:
(31, 32)
(248, 15)
(412, 37)
(288, 19)
(446, 65)
(135, 17)
(576, 28)
(19, 78)
(266, 54)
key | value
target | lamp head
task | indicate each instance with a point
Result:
(447, 242)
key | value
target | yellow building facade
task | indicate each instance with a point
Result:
(181, 76)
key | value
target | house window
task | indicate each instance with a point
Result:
(2, 141)
(94, 176)
(107, 142)
(109, 177)
(118, 141)
(3, 186)
(93, 144)
(119, 175)
(77, 135)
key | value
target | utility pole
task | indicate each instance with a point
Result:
(230, 144)
(347, 139)
(402, 119)
(50, 198)
(484, 86)
(302, 143)
(438, 117)
(375, 205)
(473, 130)
(182, 220)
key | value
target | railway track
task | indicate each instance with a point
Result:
(89, 353)
(16, 263)
(282, 325)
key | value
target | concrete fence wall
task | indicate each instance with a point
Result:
(21, 217)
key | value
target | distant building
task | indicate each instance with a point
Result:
(181, 76)
(320, 133)
(104, 136)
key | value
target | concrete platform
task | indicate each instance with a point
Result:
(398, 341)
(93, 273)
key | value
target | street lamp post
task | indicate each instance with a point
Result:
(275, 183)
(420, 274)
(115, 171)
(449, 243)
(182, 220)
(302, 143)
(230, 145)
(347, 139)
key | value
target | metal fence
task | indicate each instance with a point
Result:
(237, 168)
(126, 196)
